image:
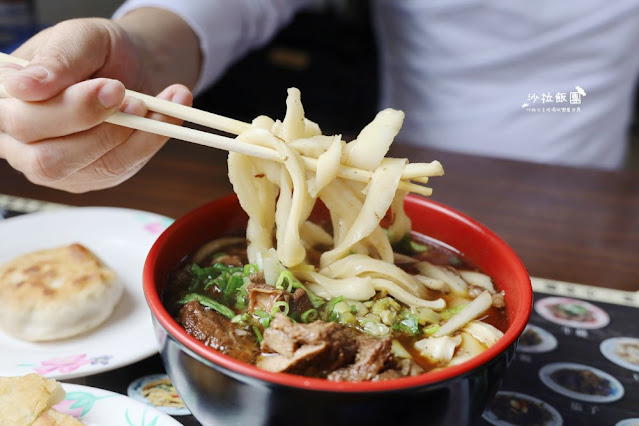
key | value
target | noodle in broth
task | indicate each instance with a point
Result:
(358, 271)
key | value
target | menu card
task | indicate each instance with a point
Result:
(577, 362)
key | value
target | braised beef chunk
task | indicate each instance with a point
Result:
(323, 349)
(408, 367)
(400, 368)
(216, 331)
(300, 302)
(373, 355)
(257, 277)
(264, 296)
(310, 349)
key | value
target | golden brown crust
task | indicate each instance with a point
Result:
(52, 417)
(24, 399)
(48, 276)
(56, 293)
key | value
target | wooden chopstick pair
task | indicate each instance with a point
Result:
(411, 172)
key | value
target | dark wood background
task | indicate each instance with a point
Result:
(569, 224)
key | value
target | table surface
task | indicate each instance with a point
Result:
(566, 224)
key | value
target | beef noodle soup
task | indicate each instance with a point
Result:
(350, 294)
(225, 302)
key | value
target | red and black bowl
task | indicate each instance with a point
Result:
(220, 390)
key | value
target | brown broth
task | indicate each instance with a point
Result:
(436, 253)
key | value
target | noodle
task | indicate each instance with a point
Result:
(347, 267)
(280, 203)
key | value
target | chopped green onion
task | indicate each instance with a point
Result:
(431, 329)
(408, 246)
(240, 318)
(417, 247)
(289, 278)
(329, 309)
(209, 303)
(309, 316)
(280, 307)
(201, 276)
(232, 286)
(250, 268)
(265, 318)
(293, 283)
(258, 334)
(409, 325)
(454, 261)
(240, 296)
(220, 267)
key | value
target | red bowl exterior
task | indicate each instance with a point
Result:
(205, 378)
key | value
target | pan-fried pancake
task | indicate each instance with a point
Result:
(56, 293)
(27, 400)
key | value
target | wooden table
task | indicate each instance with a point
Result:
(565, 223)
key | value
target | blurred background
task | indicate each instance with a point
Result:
(327, 51)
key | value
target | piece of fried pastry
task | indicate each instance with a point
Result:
(28, 400)
(56, 293)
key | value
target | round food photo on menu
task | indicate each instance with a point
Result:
(628, 422)
(158, 391)
(623, 351)
(514, 408)
(572, 312)
(581, 382)
(535, 339)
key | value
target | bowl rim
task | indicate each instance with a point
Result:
(161, 315)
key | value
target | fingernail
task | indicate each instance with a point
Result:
(9, 68)
(181, 97)
(110, 94)
(37, 73)
(133, 106)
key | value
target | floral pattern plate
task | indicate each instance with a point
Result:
(98, 407)
(122, 239)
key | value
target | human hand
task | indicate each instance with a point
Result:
(53, 130)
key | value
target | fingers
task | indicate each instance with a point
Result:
(97, 158)
(50, 161)
(126, 159)
(59, 57)
(78, 108)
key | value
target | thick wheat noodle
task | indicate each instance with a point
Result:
(356, 209)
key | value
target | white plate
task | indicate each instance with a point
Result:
(547, 343)
(98, 407)
(609, 349)
(616, 388)
(594, 318)
(491, 417)
(122, 239)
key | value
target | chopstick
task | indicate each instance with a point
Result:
(418, 172)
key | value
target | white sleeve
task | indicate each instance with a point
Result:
(227, 29)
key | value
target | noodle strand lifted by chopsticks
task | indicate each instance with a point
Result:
(279, 197)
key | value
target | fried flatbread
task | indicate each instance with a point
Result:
(27, 400)
(56, 293)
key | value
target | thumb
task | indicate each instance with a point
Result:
(60, 56)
